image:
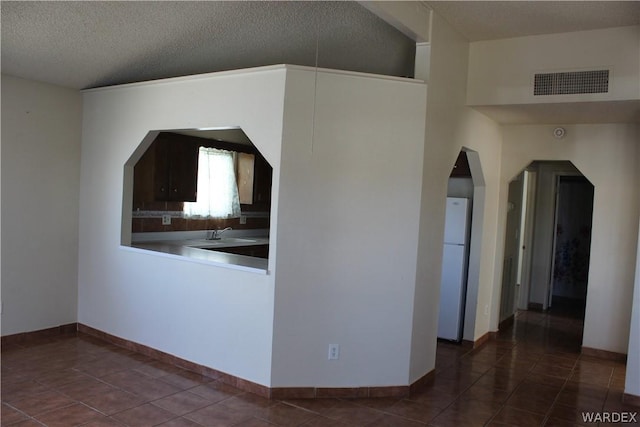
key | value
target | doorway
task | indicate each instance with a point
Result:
(572, 243)
(547, 241)
(511, 262)
(466, 182)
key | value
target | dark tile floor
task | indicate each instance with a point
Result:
(531, 375)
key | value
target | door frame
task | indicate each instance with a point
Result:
(531, 182)
(556, 207)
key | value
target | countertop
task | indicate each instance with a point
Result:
(195, 249)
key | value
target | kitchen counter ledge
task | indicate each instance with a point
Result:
(192, 249)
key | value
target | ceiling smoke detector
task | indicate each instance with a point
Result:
(559, 133)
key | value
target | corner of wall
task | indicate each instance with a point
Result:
(41, 125)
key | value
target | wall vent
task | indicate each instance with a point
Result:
(571, 83)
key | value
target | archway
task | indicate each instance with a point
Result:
(547, 268)
(466, 184)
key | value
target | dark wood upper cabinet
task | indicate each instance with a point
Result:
(176, 169)
(168, 171)
(262, 182)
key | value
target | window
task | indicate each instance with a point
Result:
(217, 187)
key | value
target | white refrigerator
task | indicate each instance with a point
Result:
(454, 269)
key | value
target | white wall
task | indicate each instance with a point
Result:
(460, 187)
(344, 218)
(501, 71)
(607, 155)
(210, 315)
(482, 135)
(348, 216)
(40, 188)
(450, 127)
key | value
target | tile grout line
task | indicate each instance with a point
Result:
(504, 404)
(564, 384)
(119, 388)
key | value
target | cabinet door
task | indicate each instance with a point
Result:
(246, 177)
(161, 169)
(183, 171)
(258, 251)
(176, 169)
(262, 181)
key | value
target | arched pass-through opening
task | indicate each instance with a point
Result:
(572, 245)
(461, 250)
(205, 190)
(548, 269)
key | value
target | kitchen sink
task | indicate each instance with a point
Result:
(206, 243)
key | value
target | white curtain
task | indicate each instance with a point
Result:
(217, 186)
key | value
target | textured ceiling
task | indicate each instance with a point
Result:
(487, 20)
(95, 43)
(98, 43)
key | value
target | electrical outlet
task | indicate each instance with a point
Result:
(334, 351)
(166, 219)
(486, 310)
(243, 219)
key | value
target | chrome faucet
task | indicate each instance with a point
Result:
(216, 234)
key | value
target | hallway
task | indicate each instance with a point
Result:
(532, 374)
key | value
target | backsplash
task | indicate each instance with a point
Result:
(171, 161)
(148, 218)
